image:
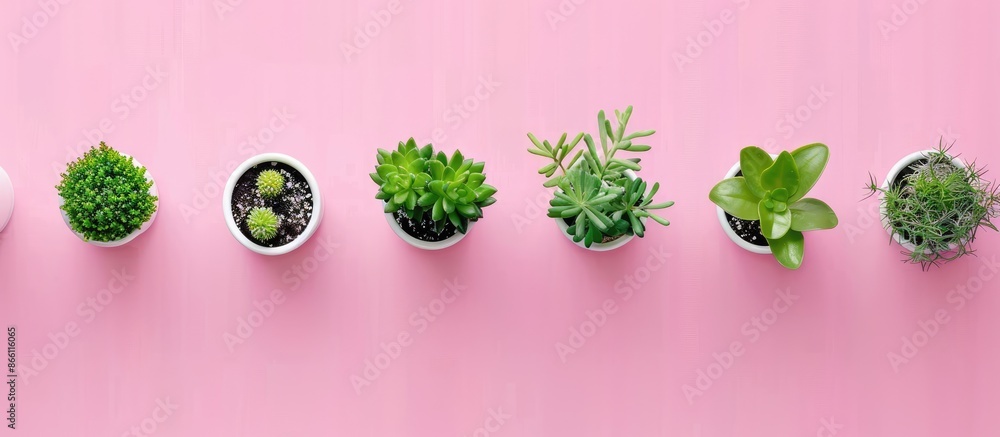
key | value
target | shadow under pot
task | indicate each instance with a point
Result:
(422, 234)
(896, 177)
(6, 199)
(608, 243)
(745, 233)
(272, 204)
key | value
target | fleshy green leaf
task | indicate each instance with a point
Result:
(782, 174)
(811, 161)
(735, 197)
(773, 224)
(789, 250)
(812, 214)
(753, 162)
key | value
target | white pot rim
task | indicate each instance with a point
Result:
(901, 165)
(153, 190)
(721, 213)
(421, 244)
(227, 203)
(600, 247)
(6, 199)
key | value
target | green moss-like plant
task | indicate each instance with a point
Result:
(263, 223)
(939, 207)
(270, 184)
(105, 196)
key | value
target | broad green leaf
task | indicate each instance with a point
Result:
(788, 250)
(811, 161)
(734, 197)
(774, 225)
(781, 174)
(812, 214)
(753, 162)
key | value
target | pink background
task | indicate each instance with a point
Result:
(824, 361)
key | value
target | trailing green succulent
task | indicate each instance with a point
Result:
(595, 195)
(418, 182)
(773, 191)
(938, 207)
(105, 196)
(270, 184)
(263, 223)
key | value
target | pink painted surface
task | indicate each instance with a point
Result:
(492, 351)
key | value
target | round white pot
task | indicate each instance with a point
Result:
(421, 244)
(721, 213)
(6, 199)
(893, 173)
(152, 191)
(599, 247)
(227, 204)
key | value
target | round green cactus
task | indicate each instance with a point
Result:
(270, 183)
(263, 223)
(105, 195)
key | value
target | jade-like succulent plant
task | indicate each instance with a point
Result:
(417, 181)
(595, 193)
(773, 191)
(263, 223)
(105, 196)
(270, 183)
(939, 207)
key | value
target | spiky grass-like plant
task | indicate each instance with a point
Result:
(105, 196)
(939, 207)
(263, 223)
(270, 184)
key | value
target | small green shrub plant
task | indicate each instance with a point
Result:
(421, 183)
(105, 196)
(938, 207)
(593, 190)
(773, 191)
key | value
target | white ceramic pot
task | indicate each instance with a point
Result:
(761, 250)
(421, 244)
(227, 204)
(6, 199)
(893, 173)
(152, 191)
(599, 247)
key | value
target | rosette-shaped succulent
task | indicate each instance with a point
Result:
(457, 192)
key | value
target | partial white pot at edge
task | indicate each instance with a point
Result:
(762, 250)
(152, 191)
(6, 199)
(599, 247)
(421, 244)
(896, 169)
(227, 204)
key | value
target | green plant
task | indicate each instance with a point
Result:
(270, 183)
(105, 195)
(938, 207)
(773, 191)
(595, 194)
(417, 182)
(263, 223)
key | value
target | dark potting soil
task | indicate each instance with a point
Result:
(424, 230)
(294, 207)
(748, 230)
